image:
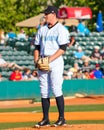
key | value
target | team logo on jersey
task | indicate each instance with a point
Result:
(50, 38)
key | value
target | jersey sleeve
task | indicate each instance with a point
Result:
(63, 37)
(38, 38)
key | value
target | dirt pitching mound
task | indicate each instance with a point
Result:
(68, 127)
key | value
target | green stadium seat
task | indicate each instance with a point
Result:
(11, 42)
(84, 39)
(31, 67)
(9, 53)
(94, 34)
(78, 39)
(66, 67)
(99, 38)
(30, 57)
(3, 53)
(93, 39)
(21, 63)
(5, 74)
(102, 34)
(93, 62)
(17, 58)
(1, 48)
(23, 53)
(82, 43)
(88, 52)
(12, 58)
(16, 53)
(22, 46)
(22, 40)
(32, 47)
(89, 48)
(6, 57)
(8, 48)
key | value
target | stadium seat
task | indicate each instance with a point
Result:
(30, 57)
(23, 53)
(66, 67)
(1, 48)
(11, 42)
(89, 48)
(102, 34)
(12, 58)
(88, 52)
(5, 74)
(32, 67)
(82, 43)
(6, 58)
(93, 39)
(84, 39)
(94, 34)
(9, 53)
(3, 53)
(22, 46)
(32, 47)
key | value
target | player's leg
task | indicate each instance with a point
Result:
(56, 82)
(60, 105)
(45, 100)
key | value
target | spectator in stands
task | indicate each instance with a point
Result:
(96, 54)
(11, 34)
(42, 23)
(2, 37)
(86, 74)
(65, 25)
(73, 28)
(68, 74)
(82, 29)
(74, 76)
(72, 71)
(4, 64)
(34, 75)
(97, 72)
(72, 41)
(16, 75)
(102, 53)
(75, 68)
(1, 78)
(27, 74)
(91, 74)
(86, 66)
(79, 74)
(79, 54)
(21, 35)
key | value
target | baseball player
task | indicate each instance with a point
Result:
(51, 41)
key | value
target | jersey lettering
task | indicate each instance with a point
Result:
(50, 38)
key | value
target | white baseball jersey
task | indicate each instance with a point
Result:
(49, 41)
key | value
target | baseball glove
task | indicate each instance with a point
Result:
(43, 64)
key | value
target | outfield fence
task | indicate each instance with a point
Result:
(11, 90)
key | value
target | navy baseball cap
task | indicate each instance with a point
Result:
(51, 9)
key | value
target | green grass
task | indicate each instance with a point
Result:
(31, 124)
(76, 108)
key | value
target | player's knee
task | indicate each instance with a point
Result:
(58, 93)
(44, 95)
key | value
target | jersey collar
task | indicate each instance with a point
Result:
(53, 25)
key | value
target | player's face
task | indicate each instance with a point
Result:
(49, 17)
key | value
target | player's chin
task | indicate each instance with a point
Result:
(47, 22)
